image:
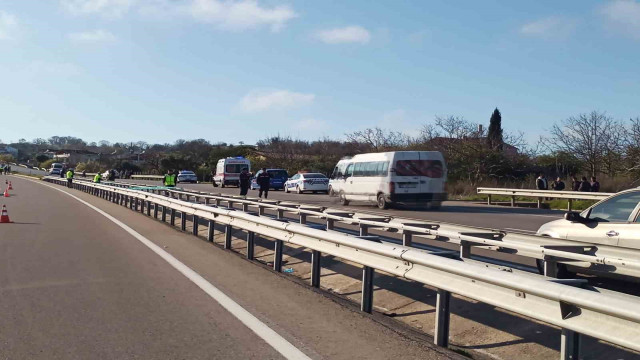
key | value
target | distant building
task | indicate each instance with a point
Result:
(8, 150)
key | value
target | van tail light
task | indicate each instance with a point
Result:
(392, 187)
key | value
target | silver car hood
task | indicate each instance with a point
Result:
(556, 229)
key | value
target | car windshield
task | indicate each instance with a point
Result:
(187, 173)
(615, 209)
(314, 176)
(428, 168)
(278, 173)
(234, 168)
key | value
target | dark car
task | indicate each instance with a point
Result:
(277, 178)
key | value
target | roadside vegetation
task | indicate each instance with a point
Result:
(582, 145)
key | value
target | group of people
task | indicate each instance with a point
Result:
(6, 169)
(583, 185)
(263, 179)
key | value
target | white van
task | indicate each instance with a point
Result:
(228, 171)
(55, 169)
(416, 177)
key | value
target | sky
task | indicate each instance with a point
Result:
(243, 70)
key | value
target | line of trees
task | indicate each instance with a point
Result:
(586, 144)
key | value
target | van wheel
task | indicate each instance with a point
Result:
(215, 184)
(286, 189)
(298, 190)
(222, 184)
(330, 192)
(382, 202)
(343, 199)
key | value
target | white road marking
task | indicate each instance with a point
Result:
(271, 337)
(523, 230)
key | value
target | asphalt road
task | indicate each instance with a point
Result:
(74, 285)
(525, 220)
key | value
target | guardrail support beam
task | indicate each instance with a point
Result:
(407, 237)
(570, 345)
(569, 203)
(195, 225)
(303, 218)
(539, 203)
(210, 230)
(260, 210)
(443, 316)
(364, 230)
(155, 210)
(513, 201)
(228, 229)
(489, 199)
(316, 268)
(164, 213)
(148, 206)
(251, 236)
(277, 256)
(550, 268)
(465, 250)
(280, 214)
(245, 207)
(330, 224)
(183, 221)
(172, 217)
(366, 304)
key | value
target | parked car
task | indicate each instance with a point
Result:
(55, 171)
(186, 176)
(277, 179)
(416, 177)
(314, 182)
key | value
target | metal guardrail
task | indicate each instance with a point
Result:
(611, 317)
(148, 177)
(542, 194)
(603, 259)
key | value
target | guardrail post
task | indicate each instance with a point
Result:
(172, 217)
(539, 203)
(550, 268)
(148, 206)
(364, 230)
(230, 204)
(183, 221)
(210, 231)
(316, 257)
(367, 289)
(280, 214)
(197, 198)
(570, 345)
(142, 203)
(513, 201)
(196, 220)
(489, 199)
(465, 250)
(206, 201)
(277, 256)
(245, 207)
(250, 244)
(569, 203)
(407, 237)
(164, 213)
(155, 210)
(217, 200)
(228, 229)
(443, 316)
(303, 218)
(330, 224)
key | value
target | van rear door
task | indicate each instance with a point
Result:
(405, 174)
(432, 172)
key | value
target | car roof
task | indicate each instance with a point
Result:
(305, 174)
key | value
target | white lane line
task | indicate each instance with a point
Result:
(523, 230)
(271, 337)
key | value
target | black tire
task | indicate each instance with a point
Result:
(315, 192)
(298, 190)
(342, 199)
(215, 184)
(222, 184)
(381, 202)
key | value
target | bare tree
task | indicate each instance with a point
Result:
(378, 139)
(589, 137)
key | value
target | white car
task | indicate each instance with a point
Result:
(314, 182)
(185, 176)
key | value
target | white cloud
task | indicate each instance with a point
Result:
(109, 8)
(94, 36)
(261, 100)
(349, 34)
(310, 124)
(8, 23)
(623, 16)
(552, 27)
(240, 15)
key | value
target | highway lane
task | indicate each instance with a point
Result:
(75, 285)
(458, 212)
(27, 171)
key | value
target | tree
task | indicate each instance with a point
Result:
(494, 135)
(592, 138)
(379, 140)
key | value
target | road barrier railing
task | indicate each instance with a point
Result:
(551, 253)
(611, 317)
(540, 195)
(147, 177)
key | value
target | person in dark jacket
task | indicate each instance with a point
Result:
(245, 180)
(558, 185)
(575, 184)
(585, 186)
(541, 183)
(264, 181)
(595, 185)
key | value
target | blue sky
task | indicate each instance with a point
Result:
(160, 70)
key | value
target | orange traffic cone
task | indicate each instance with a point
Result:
(4, 219)
(6, 192)
(10, 187)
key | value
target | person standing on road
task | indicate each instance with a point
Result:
(558, 185)
(169, 179)
(264, 181)
(585, 186)
(70, 178)
(541, 183)
(97, 178)
(245, 180)
(595, 185)
(575, 184)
